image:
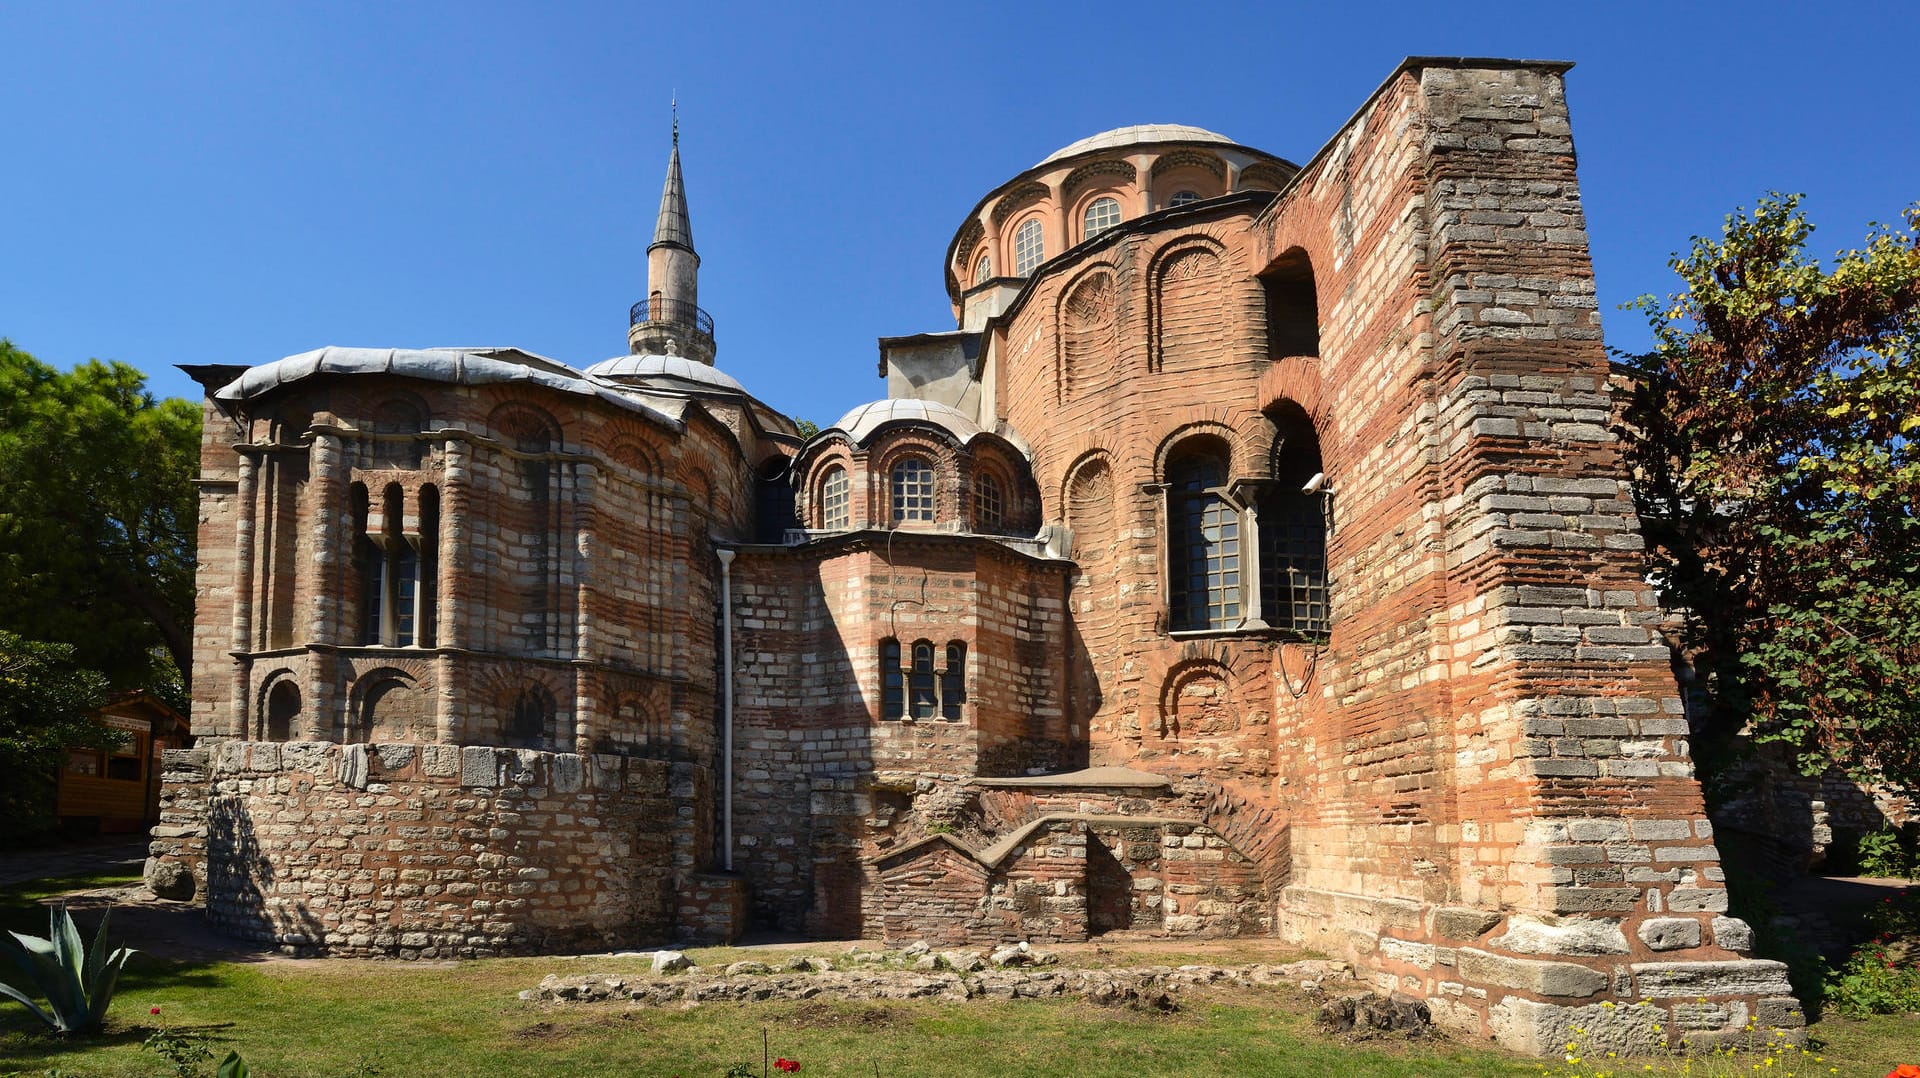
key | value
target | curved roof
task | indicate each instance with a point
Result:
(1136, 134)
(860, 423)
(461, 366)
(664, 371)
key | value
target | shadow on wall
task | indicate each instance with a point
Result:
(242, 886)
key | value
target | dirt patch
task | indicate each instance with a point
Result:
(827, 1016)
(541, 1031)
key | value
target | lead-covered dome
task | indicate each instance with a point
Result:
(859, 424)
(1136, 135)
(666, 372)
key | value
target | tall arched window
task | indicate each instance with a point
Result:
(834, 500)
(912, 490)
(1028, 248)
(953, 682)
(892, 681)
(1203, 554)
(922, 697)
(1292, 525)
(983, 270)
(1102, 214)
(283, 706)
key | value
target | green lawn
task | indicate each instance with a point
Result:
(406, 1019)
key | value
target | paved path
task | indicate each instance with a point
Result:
(119, 853)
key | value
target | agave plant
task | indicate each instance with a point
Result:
(77, 981)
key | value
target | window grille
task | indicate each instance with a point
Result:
(892, 684)
(912, 490)
(1293, 563)
(989, 505)
(1183, 198)
(983, 270)
(1204, 554)
(953, 682)
(1101, 215)
(834, 500)
(1027, 247)
(921, 698)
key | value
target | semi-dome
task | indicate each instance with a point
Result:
(1135, 135)
(666, 372)
(860, 423)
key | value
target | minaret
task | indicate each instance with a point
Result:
(669, 321)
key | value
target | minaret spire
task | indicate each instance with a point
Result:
(669, 320)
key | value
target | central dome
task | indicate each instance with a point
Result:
(1138, 133)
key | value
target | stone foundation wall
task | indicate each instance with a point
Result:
(442, 851)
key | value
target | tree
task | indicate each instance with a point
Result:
(46, 707)
(97, 516)
(1771, 435)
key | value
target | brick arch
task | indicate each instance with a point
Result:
(525, 427)
(634, 455)
(272, 720)
(1217, 426)
(389, 704)
(971, 237)
(1176, 707)
(1023, 197)
(888, 449)
(1189, 291)
(1115, 173)
(812, 486)
(1088, 500)
(1086, 318)
(1190, 159)
(502, 692)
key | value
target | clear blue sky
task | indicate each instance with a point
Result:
(229, 184)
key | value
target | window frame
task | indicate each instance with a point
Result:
(1186, 196)
(1088, 229)
(1206, 576)
(918, 503)
(1029, 246)
(836, 503)
(989, 502)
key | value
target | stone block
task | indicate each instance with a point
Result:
(1542, 978)
(479, 766)
(1733, 934)
(1578, 936)
(1691, 980)
(1539, 1028)
(1669, 933)
(440, 761)
(1697, 900)
(1460, 923)
(569, 773)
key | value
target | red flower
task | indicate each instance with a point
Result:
(1905, 1070)
(792, 1065)
(153, 1010)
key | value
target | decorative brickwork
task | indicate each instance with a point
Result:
(1264, 568)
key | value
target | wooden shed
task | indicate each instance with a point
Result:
(120, 789)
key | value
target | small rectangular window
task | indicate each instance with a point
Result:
(953, 683)
(892, 681)
(920, 685)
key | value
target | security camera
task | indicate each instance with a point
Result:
(1316, 484)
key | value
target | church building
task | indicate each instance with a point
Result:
(1251, 557)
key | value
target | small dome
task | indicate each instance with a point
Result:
(1135, 135)
(860, 423)
(663, 372)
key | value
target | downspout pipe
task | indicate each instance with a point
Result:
(726, 708)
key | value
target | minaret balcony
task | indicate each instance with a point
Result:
(661, 326)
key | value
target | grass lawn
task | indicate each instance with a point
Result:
(406, 1019)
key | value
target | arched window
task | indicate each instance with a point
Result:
(953, 682)
(989, 503)
(892, 681)
(922, 698)
(530, 719)
(1102, 214)
(396, 603)
(1028, 249)
(912, 490)
(1183, 197)
(834, 500)
(1293, 309)
(1203, 554)
(983, 270)
(1292, 525)
(283, 706)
